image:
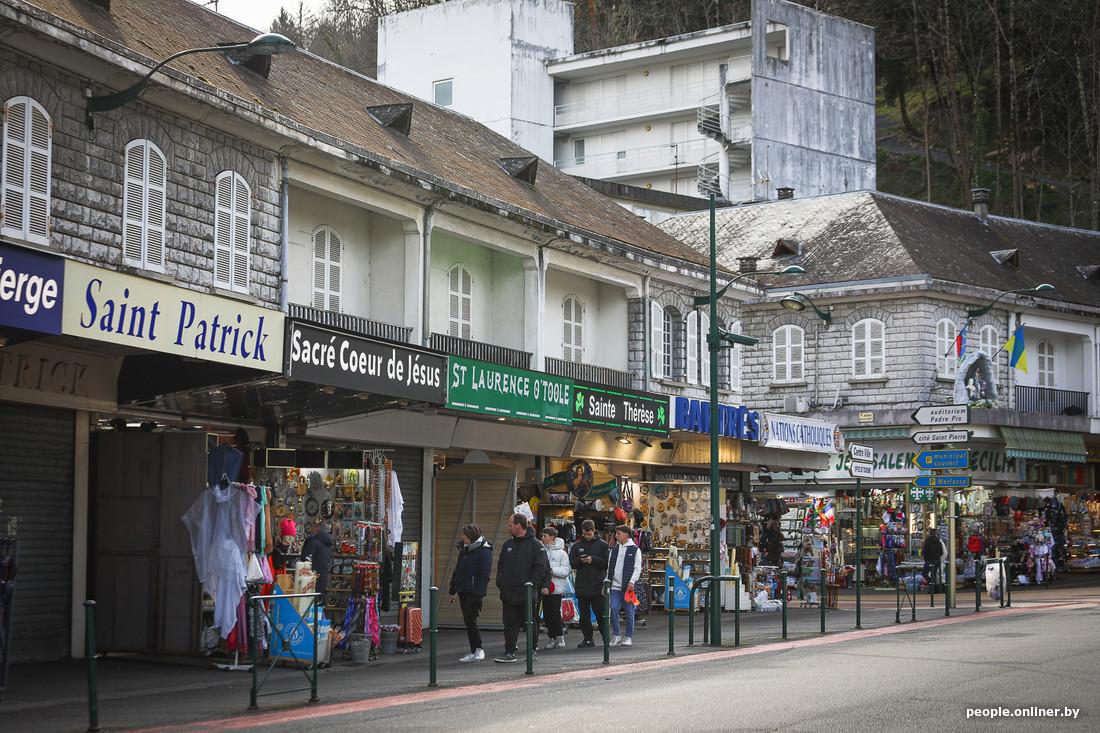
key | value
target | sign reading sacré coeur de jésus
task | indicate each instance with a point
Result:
(508, 392)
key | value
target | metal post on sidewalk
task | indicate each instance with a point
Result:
(528, 589)
(1007, 586)
(670, 606)
(316, 632)
(821, 578)
(897, 595)
(90, 655)
(737, 611)
(979, 573)
(253, 703)
(859, 550)
(433, 630)
(783, 596)
(607, 621)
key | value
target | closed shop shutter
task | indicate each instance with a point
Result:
(408, 464)
(36, 507)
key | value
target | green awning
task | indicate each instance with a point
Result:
(1043, 445)
(900, 431)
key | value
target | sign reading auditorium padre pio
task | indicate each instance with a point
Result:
(122, 309)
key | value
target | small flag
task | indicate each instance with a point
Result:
(828, 516)
(960, 342)
(1015, 347)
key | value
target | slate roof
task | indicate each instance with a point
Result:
(444, 147)
(868, 235)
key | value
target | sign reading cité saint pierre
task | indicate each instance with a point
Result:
(612, 408)
(504, 391)
(336, 359)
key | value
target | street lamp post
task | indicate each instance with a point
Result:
(717, 340)
(266, 44)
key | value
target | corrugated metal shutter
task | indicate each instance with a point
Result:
(408, 464)
(36, 507)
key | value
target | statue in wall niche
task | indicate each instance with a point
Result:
(975, 383)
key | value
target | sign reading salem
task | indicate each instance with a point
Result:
(508, 392)
(326, 357)
(108, 306)
(612, 408)
(31, 289)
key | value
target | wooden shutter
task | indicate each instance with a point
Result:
(327, 256)
(15, 168)
(876, 348)
(156, 185)
(461, 293)
(242, 233)
(780, 356)
(860, 364)
(796, 353)
(656, 338)
(692, 348)
(704, 352)
(223, 230)
(734, 361)
(27, 149)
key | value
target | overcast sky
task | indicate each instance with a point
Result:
(258, 14)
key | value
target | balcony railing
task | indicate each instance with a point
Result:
(635, 160)
(623, 105)
(1051, 401)
(346, 322)
(589, 373)
(481, 351)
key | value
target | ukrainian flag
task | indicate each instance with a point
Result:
(1015, 347)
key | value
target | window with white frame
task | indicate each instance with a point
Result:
(868, 348)
(443, 92)
(327, 261)
(691, 350)
(572, 343)
(27, 149)
(666, 340)
(788, 358)
(1045, 351)
(733, 361)
(144, 201)
(657, 340)
(947, 359)
(989, 345)
(232, 232)
(704, 350)
(460, 289)
(578, 151)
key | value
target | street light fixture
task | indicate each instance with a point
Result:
(265, 44)
(979, 312)
(718, 340)
(799, 301)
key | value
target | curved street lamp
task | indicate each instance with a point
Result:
(265, 44)
(717, 340)
(799, 301)
(979, 312)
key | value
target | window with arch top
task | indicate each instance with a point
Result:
(869, 348)
(572, 342)
(27, 151)
(788, 354)
(460, 289)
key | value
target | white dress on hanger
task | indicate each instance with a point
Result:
(393, 513)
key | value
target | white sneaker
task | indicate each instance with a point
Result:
(627, 641)
(477, 655)
(616, 640)
(552, 644)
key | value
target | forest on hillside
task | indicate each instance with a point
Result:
(997, 94)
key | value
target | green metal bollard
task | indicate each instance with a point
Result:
(528, 588)
(313, 684)
(737, 612)
(252, 697)
(607, 621)
(979, 572)
(783, 596)
(1007, 587)
(897, 597)
(433, 631)
(670, 606)
(90, 655)
(821, 596)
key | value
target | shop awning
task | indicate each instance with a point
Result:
(899, 431)
(1043, 445)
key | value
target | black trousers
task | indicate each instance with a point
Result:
(551, 613)
(585, 606)
(514, 616)
(471, 609)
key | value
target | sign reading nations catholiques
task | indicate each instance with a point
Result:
(336, 359)
(611, 408)
(505, 391)
(800, 433)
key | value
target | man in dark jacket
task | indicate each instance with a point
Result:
(318, 548)
(932, 552)
(588, 556)
(522, 560)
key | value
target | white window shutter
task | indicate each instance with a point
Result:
(657, 338)
(876, 348)
(780, 359)
(704, 353)
(859, 349)
(242, 233)
(156, 193)
(460, 287)
(467, 304)
(320, 268)
(133, 204)
(796, 353)
(692, 348)
(335, 270)
(27, 152)
(735, 362)
(15, 166)
(223, 228)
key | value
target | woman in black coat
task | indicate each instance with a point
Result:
(470, 581)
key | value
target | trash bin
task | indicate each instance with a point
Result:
(389, 640)
(359, 645)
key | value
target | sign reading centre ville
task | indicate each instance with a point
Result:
(800, 433)
(122, 309)
(611, 408)
(31, 285)
(508, 392)
(340, 360)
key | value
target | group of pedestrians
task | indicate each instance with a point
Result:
(524, 559)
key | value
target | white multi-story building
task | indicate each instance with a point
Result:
(785, 100)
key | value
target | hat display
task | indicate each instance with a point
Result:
(287, 527)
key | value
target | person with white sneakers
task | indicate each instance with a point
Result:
(624, 567)
(470, 581)
(559, 577)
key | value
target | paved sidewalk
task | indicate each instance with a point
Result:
(137, 692)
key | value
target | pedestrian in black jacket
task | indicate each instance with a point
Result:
(588, 556)
(932, 552)
(470, 582)
(522, 560)
(318, 548)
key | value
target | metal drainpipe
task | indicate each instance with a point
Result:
(284, 231)
(426, 245)
(647, 335)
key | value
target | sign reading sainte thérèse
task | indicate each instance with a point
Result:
(505, 391)
(612, 408)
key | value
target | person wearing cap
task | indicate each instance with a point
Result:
(624, 567)
(588, 557)
(470, 582)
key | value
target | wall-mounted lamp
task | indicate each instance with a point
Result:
(645, 441)
(979, 312)
(623, 439)
(764, 479)
(266, 44)
(667, 445)
(763, 469)
(798, 302)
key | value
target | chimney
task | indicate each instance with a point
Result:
(784, 193)
(746, 264)
(980, 196)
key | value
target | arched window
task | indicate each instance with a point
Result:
(27, 151)
(989, 344)
(868, 348)
(460, 289)
(144, 195)
(1045, 350)
(572, 342)
(327, 258)
(232, 232)
(788, 354)
(947, 360)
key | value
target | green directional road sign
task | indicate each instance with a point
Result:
(942, 482)
(936, 460)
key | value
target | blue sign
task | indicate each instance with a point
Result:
(942, 482)
(936, 460)
(31, 289)
(733, 422)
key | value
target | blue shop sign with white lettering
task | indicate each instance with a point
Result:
(31, 289)
(733, 422)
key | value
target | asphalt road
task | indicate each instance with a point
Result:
(931, 676)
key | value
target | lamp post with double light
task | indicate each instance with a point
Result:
(716, 340)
